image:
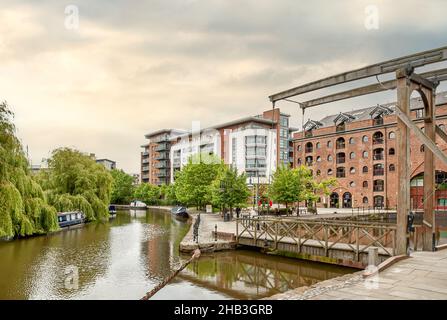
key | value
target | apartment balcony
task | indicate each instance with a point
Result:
(162, 173)
(340, 145)
(162, 164)
(162, 156)
(145, 153)
(145, 177)
(379, 156)
(145, 168)
(176, 163)
(162, 138)
(162, 147)
(378, 172)
(378, 188)
(144, 161)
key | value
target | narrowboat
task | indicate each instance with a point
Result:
(180, 212)
(67, 219)
(138, 205)
(112, 210)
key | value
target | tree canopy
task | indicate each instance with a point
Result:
(229, 189)
(297, 184)
(122, 187)
(148, 193)
(74, 181)
(23, 208)
(193, 184)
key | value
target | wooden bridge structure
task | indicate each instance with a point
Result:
(406, 82)
(342, 242)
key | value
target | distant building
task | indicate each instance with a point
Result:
(359, 149)
(254, 145)
(108, 164)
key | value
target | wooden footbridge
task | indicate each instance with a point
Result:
(339, 242)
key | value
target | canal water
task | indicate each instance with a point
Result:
(129, 255)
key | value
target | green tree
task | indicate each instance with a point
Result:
(148, 193)
(229, 189)
(286, 186)
(168, 193)
(122, 187)
(193, 182)
(74, 181)
(23, 208)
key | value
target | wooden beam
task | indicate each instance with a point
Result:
(441, 133)
(437, 75)
(415, 60)
(421, 136)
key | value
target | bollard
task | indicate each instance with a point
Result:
(215, 232)
(373, 256)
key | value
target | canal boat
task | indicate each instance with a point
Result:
(112, 210)
(138, 205)
(67, 219)
(180, 212)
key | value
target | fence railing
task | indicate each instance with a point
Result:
(356, 236)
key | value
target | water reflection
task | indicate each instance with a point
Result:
(127, 256)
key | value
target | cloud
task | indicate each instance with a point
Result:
(136, 66)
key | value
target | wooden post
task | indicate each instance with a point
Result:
(403, 161)
(429, 171)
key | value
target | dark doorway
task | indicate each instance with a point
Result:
(347, 200)
(334, 200)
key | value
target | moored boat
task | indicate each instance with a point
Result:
(138, 205)
(112, 210)
(67, 219)
(180, 212)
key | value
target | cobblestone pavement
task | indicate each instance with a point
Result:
(423, 276)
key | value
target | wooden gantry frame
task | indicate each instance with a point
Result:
(406, 82)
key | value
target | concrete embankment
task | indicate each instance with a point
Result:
(207, 241)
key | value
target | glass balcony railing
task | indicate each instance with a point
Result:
(162, 147)
(162, 156)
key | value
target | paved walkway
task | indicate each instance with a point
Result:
(423, 276)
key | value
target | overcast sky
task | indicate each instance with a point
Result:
(131, 67)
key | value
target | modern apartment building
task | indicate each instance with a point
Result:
(254, 145)
(155, 159)
(108, 164)
(359, 149)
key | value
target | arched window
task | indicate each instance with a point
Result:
(318, 172)
(365, 139)
(341, 172)
(298, 161)
(351, 140)
(378, 185)
(298, 148)
(352, 155)
(378, 154)
(378, 170)
(309, 160)
(391, 152)
(318, 159)
(318, 145)
(365, 184)
(329, 172)
(352, 170)
(365, 169)
(365, 200)
(442, 127)
(329, 144)
(378, 137)
(309, 147)
(422, 148)
(341, 158)
(392, 135)
(352, 184)
(365, 154)
(392, 167)
(329, 158)
(340, 143)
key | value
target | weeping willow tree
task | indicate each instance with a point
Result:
(24, 210)
(74, 181)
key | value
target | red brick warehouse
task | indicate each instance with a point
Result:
(359, 149)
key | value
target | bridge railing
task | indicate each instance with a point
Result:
(356, 236)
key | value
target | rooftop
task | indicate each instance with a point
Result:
(366, 113)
